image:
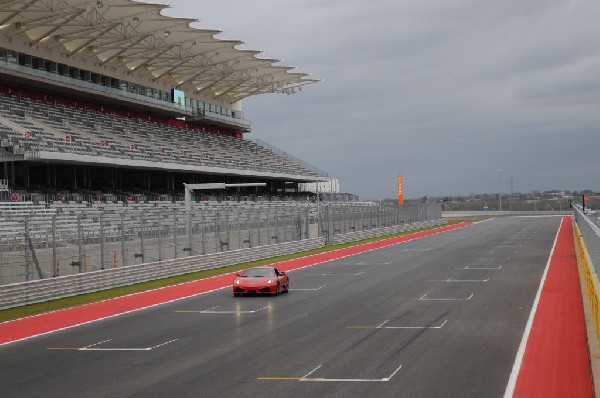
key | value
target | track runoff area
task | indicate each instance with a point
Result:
(489, 309)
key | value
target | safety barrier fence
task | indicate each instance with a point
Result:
(373, 233)
(38, 242)
(48, 289)
(36, 291)
(587, 240)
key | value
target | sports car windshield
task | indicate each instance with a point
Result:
(259, 272)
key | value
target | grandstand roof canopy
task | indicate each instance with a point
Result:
(136, 36)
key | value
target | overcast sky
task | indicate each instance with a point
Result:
(445, 92)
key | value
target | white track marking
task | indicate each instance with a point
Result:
(319, 288)
(165, 343)
(222, 312)
(383, 323)
(514, 374)
(95, 344)
(93, 347)
(382, 326)
(336, 274)
(492, 268)
(393, 373)
(312, 371)
(422, 298)
(416, 327)
(321, 379)
(459, 280)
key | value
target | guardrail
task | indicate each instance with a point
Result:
(587, 240)
(41, 243)
(495, 213)
(591, 278)
(36, 291)
(373, 233)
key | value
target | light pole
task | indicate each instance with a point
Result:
(499, 190)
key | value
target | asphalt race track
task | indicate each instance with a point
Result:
(440, 316)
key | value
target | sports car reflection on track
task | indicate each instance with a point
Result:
(261, 280)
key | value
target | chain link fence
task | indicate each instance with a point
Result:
(51, 242)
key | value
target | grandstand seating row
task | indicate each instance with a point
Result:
(30, 126)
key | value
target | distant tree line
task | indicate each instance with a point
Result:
(534, 200)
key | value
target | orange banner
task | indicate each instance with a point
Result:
(400, 189)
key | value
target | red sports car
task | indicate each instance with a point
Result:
(259, 280)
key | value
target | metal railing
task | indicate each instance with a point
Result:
(48, 289)
(589, 226)
(41, 290)
(41, 243)
(291, 157)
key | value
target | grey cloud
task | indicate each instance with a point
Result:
(443, 91)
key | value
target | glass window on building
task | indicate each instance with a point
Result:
(63, 69)
(165, 96)
(51, 66)
(24, 59)
(85, 75)
(123, 85)
(12, 56)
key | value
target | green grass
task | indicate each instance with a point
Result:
(33, 309)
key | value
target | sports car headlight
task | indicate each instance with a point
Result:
(237, 281)
(270, 281)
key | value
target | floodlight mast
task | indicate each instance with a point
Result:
(209, 186)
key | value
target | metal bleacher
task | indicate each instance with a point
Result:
(33, 127)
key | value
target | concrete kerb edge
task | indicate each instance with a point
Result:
(590, 325)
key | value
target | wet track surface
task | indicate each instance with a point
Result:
(439, 316)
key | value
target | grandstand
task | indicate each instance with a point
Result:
(107, 108)
(110, 100)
